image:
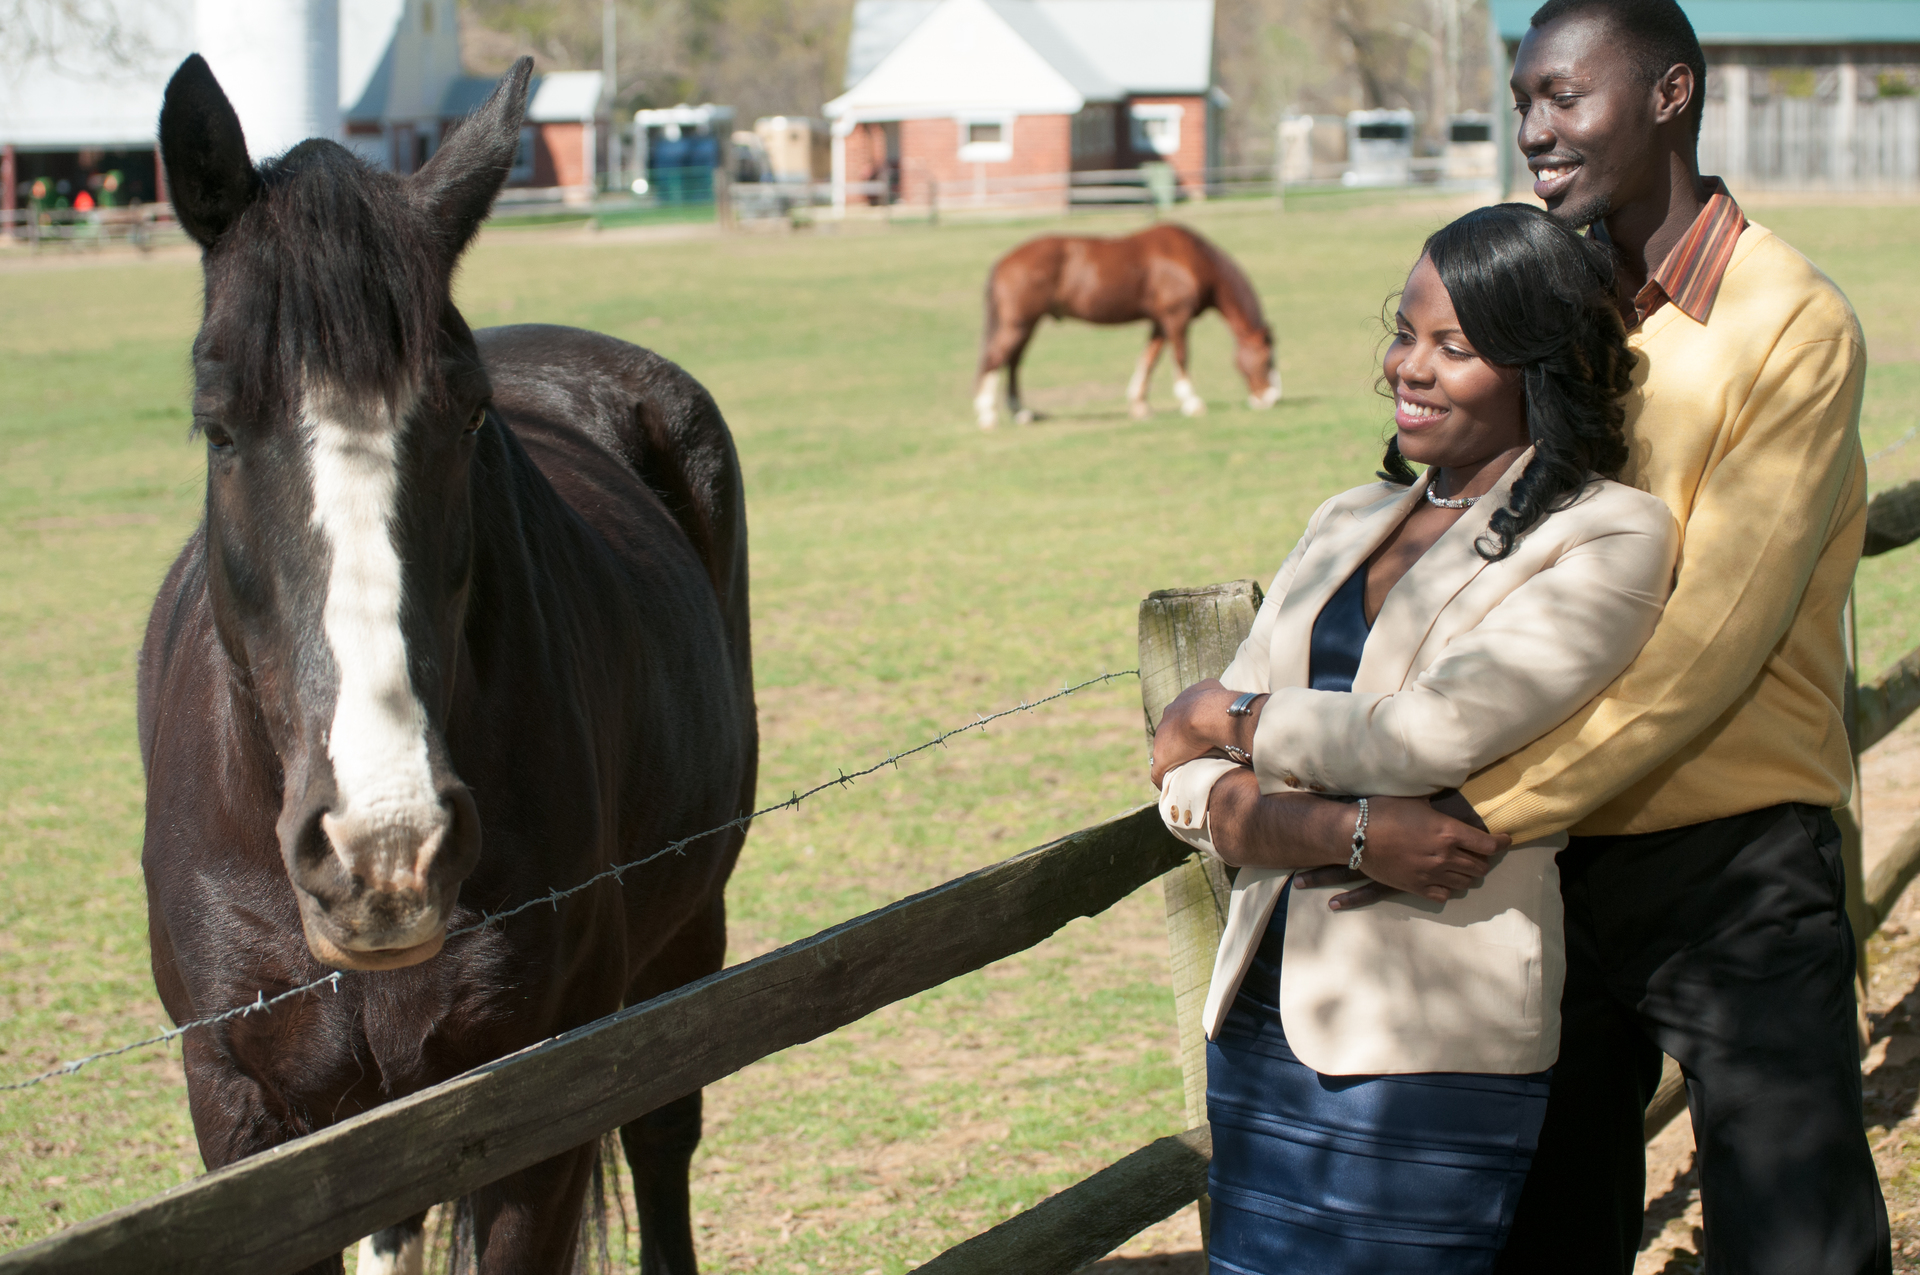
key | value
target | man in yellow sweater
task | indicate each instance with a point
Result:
(1704, 888)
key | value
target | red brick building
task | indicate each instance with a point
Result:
(994, 102)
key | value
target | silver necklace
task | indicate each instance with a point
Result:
(1454, 502)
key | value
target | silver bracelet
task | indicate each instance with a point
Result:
(1242, 705)
(1240, 755)
(1359, 838)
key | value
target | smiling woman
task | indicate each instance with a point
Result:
(1378, 1065)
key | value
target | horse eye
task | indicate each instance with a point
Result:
(479, 419)
(217, 438)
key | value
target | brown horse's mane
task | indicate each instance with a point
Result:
(1234, 296)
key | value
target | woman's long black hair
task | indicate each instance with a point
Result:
(1534, 294)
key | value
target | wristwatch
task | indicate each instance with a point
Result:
(1242, 705)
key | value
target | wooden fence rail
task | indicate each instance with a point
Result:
(320, 1193)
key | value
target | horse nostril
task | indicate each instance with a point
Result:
(460, 845)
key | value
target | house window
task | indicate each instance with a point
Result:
(1093, 132)
(1156, 128)
(986, 139)
(522, 170)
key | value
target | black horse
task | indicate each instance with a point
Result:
(448, 584)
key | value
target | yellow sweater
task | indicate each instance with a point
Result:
(1747, 426)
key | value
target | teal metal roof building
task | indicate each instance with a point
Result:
(1775, 22)
(1808, 94)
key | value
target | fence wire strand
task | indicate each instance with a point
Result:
(1895, 445)
(262, 1003)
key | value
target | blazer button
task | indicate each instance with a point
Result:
(1315, 788)
(1290, 781)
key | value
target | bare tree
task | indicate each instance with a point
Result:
(75, 35)
(1274, 57)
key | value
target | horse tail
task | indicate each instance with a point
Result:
(993, 314)
(455, 1237)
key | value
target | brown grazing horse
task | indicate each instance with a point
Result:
(1167, 275)
(466, 621)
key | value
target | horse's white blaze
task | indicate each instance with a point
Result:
(385, 807)
(987, 401)
(410, 1260)
(1191, 404)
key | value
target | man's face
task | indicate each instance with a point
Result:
(1587, 117)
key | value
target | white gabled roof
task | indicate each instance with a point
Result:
(565, 97)
(878, 28)
(1126, 46)
(1146, 46)
(976, 56)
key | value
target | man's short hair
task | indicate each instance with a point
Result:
(1656, 31)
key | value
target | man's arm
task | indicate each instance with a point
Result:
(1550, 646)
(1762, 518)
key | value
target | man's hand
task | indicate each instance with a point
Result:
(1415, 848)
(1197, 725)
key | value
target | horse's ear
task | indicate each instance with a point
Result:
(209, 177)
(457, 186)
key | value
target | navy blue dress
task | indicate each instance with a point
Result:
(1315, 1175)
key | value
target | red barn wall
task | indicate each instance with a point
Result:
(1190, 161)
(930, 151)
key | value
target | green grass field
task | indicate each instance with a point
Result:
(908, 572)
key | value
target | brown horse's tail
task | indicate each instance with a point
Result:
(992, 324)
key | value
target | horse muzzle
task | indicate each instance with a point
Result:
(380, 896)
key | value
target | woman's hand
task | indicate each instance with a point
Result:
(1197, 725)
(1415, 848)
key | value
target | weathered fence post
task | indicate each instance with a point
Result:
(1187, 635)
(1852, 820)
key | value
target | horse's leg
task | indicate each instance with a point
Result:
(1191, 404)
(660, 1147)
(530, 1221)
(400, 1249)
(998, 353)
(232, 1118)
(660, 1144)
(1021, 415)
(986, 398)
(1137, 386)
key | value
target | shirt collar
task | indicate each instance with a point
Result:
(1690, 276)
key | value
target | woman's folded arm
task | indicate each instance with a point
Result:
(1553, 644)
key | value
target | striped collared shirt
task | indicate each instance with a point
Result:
(1690, 276)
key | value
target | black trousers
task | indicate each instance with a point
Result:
(1726, 945)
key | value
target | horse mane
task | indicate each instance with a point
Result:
(331, 272)
(1234, 296)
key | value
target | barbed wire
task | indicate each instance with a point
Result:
(1896, 444)
(262, 1003)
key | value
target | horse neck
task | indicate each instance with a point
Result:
(1234, 297)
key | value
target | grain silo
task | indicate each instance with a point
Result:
(279, 64)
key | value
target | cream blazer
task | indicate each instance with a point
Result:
(1467, 661)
